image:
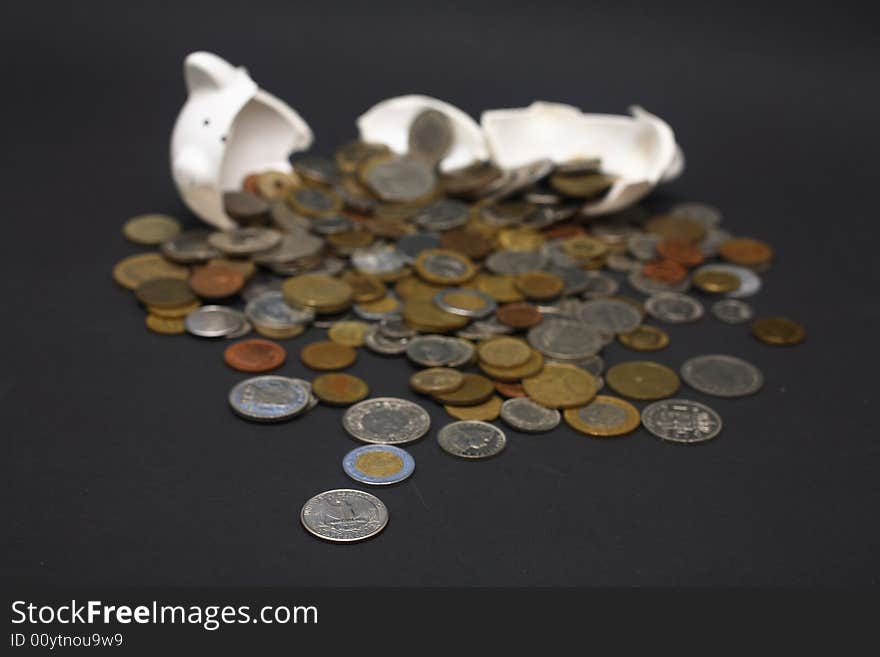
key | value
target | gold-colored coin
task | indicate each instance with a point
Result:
(560, 385)
(174, 312)
(581, 185)
(645, 338)
(314, 202)
(487, 411)
(474, 389)
(350, 240)
(150, 229)
(246, 267)
(395, 275)
(584, 248)
(280, 333)
(365, 287)
(436, 380)
(422, 314)
(465, 299)
(501, 287)
(779, 331)
(339, 389)
(351, 155)
(520, 239)
(411, 286)
(642, 379)
(531, 367)
(276, 184)
(134, 270)
(165, 325)
(348, 332)
(379, 464)
(539, 285)
(715, 281)
(676, 227)
(165, 293)
(319, 291)
(504, 352)
(327, 355)
(443, 267)
(604, 417)
(387, 305)
(746, 251)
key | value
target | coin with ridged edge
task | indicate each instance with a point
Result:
(344, 515)
(471, 439)
(605, 416)
(339, 389)
(378, 465)
(523, 414)
(386, 421)
(681, 421)
(722, 375)
(269, 398)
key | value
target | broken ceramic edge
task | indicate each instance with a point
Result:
(388, 123)
(228, 128)
(639, 149)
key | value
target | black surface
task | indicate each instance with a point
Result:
(124, 463)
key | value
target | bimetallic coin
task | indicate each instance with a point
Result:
(522, 414)
(565, 339)
(443, 215)
(386, 421)
(722, 376)
(673, 308)
(438, 350)
(604, 417)
(749, 281)
(642, 379)
(339, 389)
(444, 267)
(610, 315)
(471, 439)
(378, 465)
(466, 302)
(190, 246)
(269, 309)
(315, 201)
(778, 331)
(430, 136)
(732, 311)
(344, 515)
(215, 321)
(269, 398)
(681, 421)
(150, 229)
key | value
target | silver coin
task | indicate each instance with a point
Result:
(565, 339)
(444, 266)
(245, 241)
(439, 351)
(722, 376)
(386, 421)
(611, 315)
(523, 177)
(395, 328)
(702, 213)
(613, 229)
(378, 259)
(261, 284)
(749, 281)
(673, 308)
(292, 246)
(214, 321)
(599, 285)
(522, 414)
(344, 515)
(316, 168)
(483, 330)
(270, 309)
(189, 246)
(269, 398)
(643, 245)
(394, 464)
(316, 200)
(412, 245)
(332, 225)
(246, 327)
(622, 263)
(647, 285)
(331, 266)
(286, 219)
(442, 302)
(402, 179)
(555, 255)
(515, 262)
(471, 439)
(681, 421)
(445, 214)
(574, 279)
(713, 239)
(384, 345)
(732, 311)
(431, 136)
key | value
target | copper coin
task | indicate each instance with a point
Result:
(327, 355)
(475, 389)
(779, 331)
(509, 389)
(339, 389)
(670, 226)
(254, 355)
(164, 293)
(746, 251)
(216, 281)
(519, 315)
(467, 242)
(684, 253)
(666, 271)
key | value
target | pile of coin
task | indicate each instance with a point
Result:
(491, 283)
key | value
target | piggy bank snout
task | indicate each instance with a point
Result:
(191, 168)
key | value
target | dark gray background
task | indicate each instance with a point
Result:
(125, 465)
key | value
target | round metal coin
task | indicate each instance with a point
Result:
(387, 421)
(215, 321)
(471, 439)
(673, 308)
(681, 421)
(378, 465)
(565, 339)
(522, 414)
(732, 311)
(604, 417)
(344, 515)
(150, 228)
(722, 376)
(269, 398)
(642, 379)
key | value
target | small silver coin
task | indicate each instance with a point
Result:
(646, 285)
(292, 246)
(471, 439)
(681, 421)
(441, 300)
(378, 259)
(673, 308)
(378, 465)
(643, 245)
(214, 321)
(566, 339)
(722, 376)
(386, 421)
(439, 351)
(402, 179)
(412, 245)
(270, 309)
(269, 398)
(384, 345)
(190, 246)
(732, 311)
(431, 136)
(611, 315)
(333, 224)
(245, 241)
(599, 285)
(445, 214)
(395, 328)
(522, 414)
(702, 213)
(515, 262)
(344, 515)
(286, 219)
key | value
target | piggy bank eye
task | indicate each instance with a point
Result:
(206, 122)
(223, 139)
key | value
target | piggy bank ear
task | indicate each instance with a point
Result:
(206, 71)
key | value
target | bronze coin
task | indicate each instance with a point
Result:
(246, 208)
(645, 338)
(509, 389)
(779, 331)
(675, 227)
(666, 271)
(339, 389)
(254, 355)
(540, 285)
(519, 315)
(216, 281)
(327, 355)
(746, 251)
(684, 253)
(164, 293)
(475, 389)
(467, 242)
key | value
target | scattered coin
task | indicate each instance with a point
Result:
(722, 376)
(315, 202)
(381, 344)
(642, 379)
(344, 515)
(713, 280)
(190, 246)
(214, 322)
(611, 315)
(436, 380)
(269, 310)
(216, 281)
(443, 215)
(151, 229)
(269, 398)
(327, 355)
(605, 416)
(444, 267)
(465, 302)
(130, 272)
(324, 294)
(519, 315)
(164, 293)
(749, 281)
(561, 385)
(673, 308)
(339, 389)
(254, 355)
(539, 285)
(506, 374)
(474, 389)
(645, 338)
(165, 325)
(522, 414)
(778, 331)
(510, 389)
(439, 351)
(399, 179)
(486, 411)
(349, 332)
(599, 285)
(746, 252)
(732, 311)
(681, 421)
(565, 339)
(386, 420)
(504, 352)
(471, 439)
(378, 465)
(430, 136)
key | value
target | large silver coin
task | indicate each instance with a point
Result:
(378, 465)
(673, 308)
(381, 344)
(439, 351)
(430, 136)
(732, 311)
(269, 309)
(269, 398)
(515, 262)
(386, 421)
(611, 315)
(401, 180)
(702, 213)
(566, 339)
(190, 246)
(488, 307)
(599, 285)
(722, 376)
(245, 241)
(293, 245)
(214, 321)
(471, 439)
(681, 421)
(344, 515)
(649, 286)
(445, 214)
(522, 414)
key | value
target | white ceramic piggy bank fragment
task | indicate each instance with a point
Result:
(228, 128)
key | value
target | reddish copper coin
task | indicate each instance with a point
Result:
(216, 281)
(249, 184)
(254, 355)
(519, 315)
(562, 231)
(666, 271)
(510, 389)
(746, 251)
(680, 251)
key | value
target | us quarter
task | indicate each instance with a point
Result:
(344, 515)
(566, 339)
(471, 439)
(722, 375)
(214, 321)
(673, 308)
(378, 465)
(681, 421)
(386, 421)
(522, 414)
(732, 311)
(269, 398)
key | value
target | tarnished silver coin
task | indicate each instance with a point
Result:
(444, 214)
(378, 259)
(471, 439)
(611, 315)
(214, 321)
(316, 168)
(269, 398)
(430, 136)
(382, 344)
(599, 285)
(189, 246)
(245, 241)
(713, 239)
(643, 245)
(681, 421)
(732, 311)
(722, 376)
(483, 329)
(246, 327)
(515, 262)
(344, 515)
(412, 245)
(270, 309)
(673, 308)
(574, 279)
(622, 263)
(649, 286)
(401, 179)
(386, 421)
(335, 223)
(439, 351)
(292, 246)
(449, 299)
(566, 339)
(522, 414)
(378, 465)
(702, 213)
(395, 328)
